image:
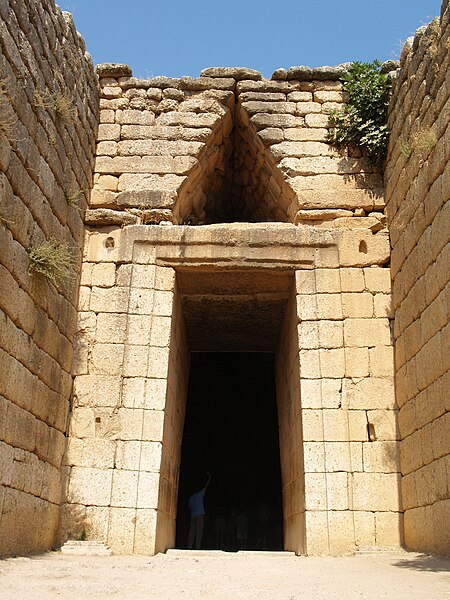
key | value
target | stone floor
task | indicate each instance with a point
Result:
(221, 576)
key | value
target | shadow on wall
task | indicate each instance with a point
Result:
(425, 562)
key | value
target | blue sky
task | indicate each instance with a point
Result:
(182, 37)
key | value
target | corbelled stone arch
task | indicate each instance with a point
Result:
(235, 177)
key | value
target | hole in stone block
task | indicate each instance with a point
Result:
(363, 247)
(371, 432)
(109, 243)
(98, 420)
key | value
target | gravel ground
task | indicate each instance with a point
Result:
(222, 576)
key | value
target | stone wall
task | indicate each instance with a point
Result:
(48, 123)
(418, 208)
(227, 146)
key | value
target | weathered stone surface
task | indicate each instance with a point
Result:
(237, 73)
(105, 216)
(113, 70)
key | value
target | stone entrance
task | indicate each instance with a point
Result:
(264, 287)
(231, 429)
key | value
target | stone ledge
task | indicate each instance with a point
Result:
(113, 70)
(86, 548)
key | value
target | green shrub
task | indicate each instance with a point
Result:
(363, 120)
(52, 259)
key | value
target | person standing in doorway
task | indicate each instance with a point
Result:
(197, 508)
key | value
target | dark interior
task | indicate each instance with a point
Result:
(231, 430)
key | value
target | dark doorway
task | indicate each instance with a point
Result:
(231, 430)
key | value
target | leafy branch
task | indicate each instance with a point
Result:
(363, 120)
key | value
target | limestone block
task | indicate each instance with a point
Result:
(165, 279)
(338, 458)
(107, 116)
(328, 96)
(109, 300)
(440, 435)
(148, 490)
(308, 334)
(331, 393)
(90, 486)
(378, 280)
(317, 533)
(302, 149)
(389, 528)
(106, 359)
(311, 393)
(300, 96)
(330, 334)
(189, 119)
(135, 361)
(369, 393)
(103, 275)
(305, 282)
(316, 120)
(352, 279)
(254, 107)
(96, 523)
(108, 132)
(151, 454)
(143, 276)
(315, 491)
(332, 363)
(87, 390)
(262, 120)
(111, 327)
(335, 424)
(376, 491)
(159, 148)
(367, 332)
(134, 392)
(144, 538)
(337, 493)
(381, 359)
(361, 248)
(142, 301)
(314, 457)
(357, 305)
(364, 528)
(95, 453)
(327, 281)
(118, 165)
(356, 362)
(124, 488)
(329, 306)
(106, 149)
(160, 331)
(163, 303)
(381, 457)
(357, 425)
(82, 424)
(128, 455)
(6, 463)
(139, 329)
(153, 426)
(341, 533)
(312, 423)
(305, 134)
(128, 425)
(121, 530)
(383, 305)
(158, 363)
(310, 364)
(156, 394)
(86, 274)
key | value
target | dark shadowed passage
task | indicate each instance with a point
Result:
(231, 430)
